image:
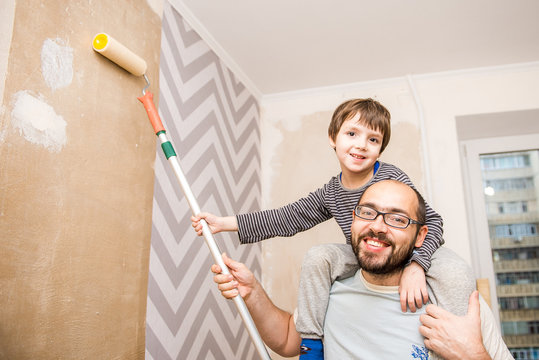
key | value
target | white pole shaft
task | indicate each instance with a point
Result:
(216, 253)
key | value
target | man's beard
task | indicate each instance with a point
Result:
(372, 263)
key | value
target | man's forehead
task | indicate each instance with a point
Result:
(390, 195)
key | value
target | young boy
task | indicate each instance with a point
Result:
(359, 132)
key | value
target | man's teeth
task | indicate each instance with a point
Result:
(357, 156)
(375, 243)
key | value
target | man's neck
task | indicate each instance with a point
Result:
(392, 279)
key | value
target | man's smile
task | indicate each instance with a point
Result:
(374, 244)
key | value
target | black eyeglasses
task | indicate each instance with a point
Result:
(394, 220)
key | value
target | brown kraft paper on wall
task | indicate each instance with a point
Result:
(75, 203)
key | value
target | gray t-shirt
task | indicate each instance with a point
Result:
(385, 332)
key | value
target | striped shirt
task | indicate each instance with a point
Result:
(333, 200)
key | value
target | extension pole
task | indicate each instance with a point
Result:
(122, 56)
(168, 149)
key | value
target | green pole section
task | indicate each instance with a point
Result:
(168, 149)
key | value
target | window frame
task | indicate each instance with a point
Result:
(470, 152)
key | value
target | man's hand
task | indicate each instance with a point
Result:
(216, 223)
(413, 287)
(276, 326)
(240, 280)
(454, 337)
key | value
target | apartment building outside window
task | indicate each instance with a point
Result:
(510, 183)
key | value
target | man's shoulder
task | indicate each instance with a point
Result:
(447, 265)
(446, 255)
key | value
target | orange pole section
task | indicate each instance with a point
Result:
(153, 115)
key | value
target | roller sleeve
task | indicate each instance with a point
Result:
(119, 54)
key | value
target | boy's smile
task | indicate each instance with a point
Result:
(357, 147)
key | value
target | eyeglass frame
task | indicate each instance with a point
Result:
(378, 213)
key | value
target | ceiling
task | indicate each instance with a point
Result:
(287, 45)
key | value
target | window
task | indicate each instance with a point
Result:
(520, 327)
(500, 162)
(515, 230)
(513, 207)
(513, 278)
(524, 253)
(530, 353)
(502, 204)
(517, 303)
(509, 184)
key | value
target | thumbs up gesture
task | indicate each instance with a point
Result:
(454, 337)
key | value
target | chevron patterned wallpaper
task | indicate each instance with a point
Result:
(212, 121)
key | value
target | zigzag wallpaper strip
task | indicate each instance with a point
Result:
(212, 121)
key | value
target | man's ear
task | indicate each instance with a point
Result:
(421, 234)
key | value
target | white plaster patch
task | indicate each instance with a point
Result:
(38, 122)
(56, 63)
(291, 123)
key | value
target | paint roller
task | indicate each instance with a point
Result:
(125, 58)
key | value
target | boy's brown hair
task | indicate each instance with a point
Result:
(372, 114)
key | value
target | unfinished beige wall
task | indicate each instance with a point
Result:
(76, 182)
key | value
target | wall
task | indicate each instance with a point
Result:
(296, 123)
(213, 120)
(76, 182)
(6, 31)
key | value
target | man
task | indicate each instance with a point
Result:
(363, 319)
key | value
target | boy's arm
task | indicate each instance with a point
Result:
(286, 221)
(276, 326)
(434, 238)
(216, 223)
(412, 287)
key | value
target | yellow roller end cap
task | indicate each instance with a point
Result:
(100, 41)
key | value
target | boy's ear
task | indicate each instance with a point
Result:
(331, 142)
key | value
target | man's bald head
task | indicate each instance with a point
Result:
(396, 187)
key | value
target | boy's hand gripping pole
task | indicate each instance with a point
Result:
(168, 149)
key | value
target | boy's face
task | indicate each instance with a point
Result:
(357, 147)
